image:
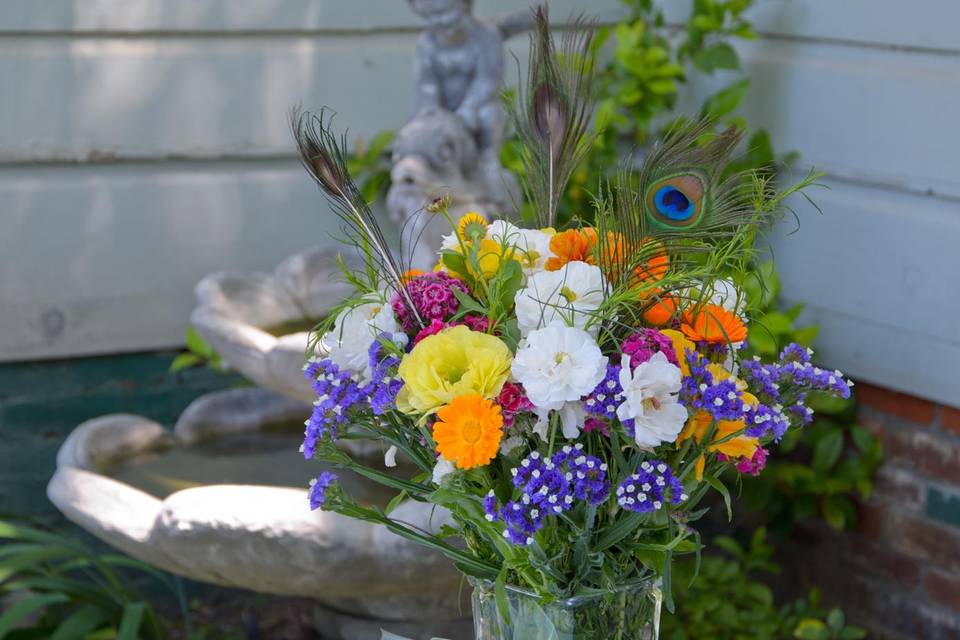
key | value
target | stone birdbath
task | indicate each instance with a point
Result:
(260, 323)
(221, 499)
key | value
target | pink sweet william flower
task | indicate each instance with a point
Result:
(753, 465)
(641, 346)
(512, 400)
(596, 424)
(435, 326)
(432, 294)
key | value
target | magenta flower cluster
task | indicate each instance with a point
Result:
(432, 294)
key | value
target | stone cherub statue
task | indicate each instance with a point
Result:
(452, 144)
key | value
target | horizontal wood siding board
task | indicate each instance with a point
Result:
(100, 261)
(869, 115)
(921, 24)
(864, 114)
(880, 272)
(226, 16)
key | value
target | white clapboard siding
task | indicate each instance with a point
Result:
(880, 272)
(153, 16)
(96, 259)
(920, 24)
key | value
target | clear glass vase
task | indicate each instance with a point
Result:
(630, 612)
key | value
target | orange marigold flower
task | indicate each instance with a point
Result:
(410, 274)
(712, 323)
(652, 269)
(661, 312)
(468, 431)
(570, 246)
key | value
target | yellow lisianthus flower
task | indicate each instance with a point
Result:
(681, 344)
(741, 446)
(455, 362)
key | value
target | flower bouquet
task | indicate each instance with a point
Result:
(568, 396)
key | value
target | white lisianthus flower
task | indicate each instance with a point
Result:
(532, 245)
(558, 365)
(650, 400)
(570, 294)
(390, 457)
(442, 469)
(355, 329)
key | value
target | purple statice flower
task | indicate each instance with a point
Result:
(641, 346)
(432, 295)
(650, 488)
(490, 506)
(384, 384)
(762, 379)
(808, 376)
(586, 474)
(337, 393)
(607, 396)
(800, 409)
(794, 352)
(319, 487)
(721, 398)
(521, 521)
(762, 420)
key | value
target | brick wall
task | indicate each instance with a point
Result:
(898, 574)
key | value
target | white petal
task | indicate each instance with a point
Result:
(442, 469)
(390, 457)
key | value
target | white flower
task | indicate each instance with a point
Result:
(721, 292)
(442, 469)
(650, 400)
(390, 457)
(510, 444)
(558, 364)
(570, 294)
(354, 331)
(533, 245)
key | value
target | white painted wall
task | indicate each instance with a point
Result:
(145, 143)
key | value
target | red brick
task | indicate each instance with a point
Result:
(873, 421)
(922, 539)
(943, 589)
(950, 419)
(870, 519)
(899, 485)
(896, 403)
(926, 451)
(874, 559)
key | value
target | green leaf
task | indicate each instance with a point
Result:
(718, 56)
(79, 624)
(500, 595)
(131, 621)
(184, 361)
(811, 629)
(827, 450)
(863, 437)
(838, 511)
(719, 486)
(395, 502)
(726, 100)
(775, 322)
(25, 607)
(197, 345)
(806, 335)
(835, 619)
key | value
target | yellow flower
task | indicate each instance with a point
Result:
(468, 431)
(741, 446)
(455, 362)
(681, 344)
(471, 225)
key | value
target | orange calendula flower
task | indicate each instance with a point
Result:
(468, 431)
(714, 324)
(663, 310)
(571, 246)
(410, 274)
(652, 269)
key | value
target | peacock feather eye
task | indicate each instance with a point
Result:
(676, 201)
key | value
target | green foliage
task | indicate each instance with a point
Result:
(369, 164)
(60, 590)
(819, 469)
(727, 600)
(199, 353)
